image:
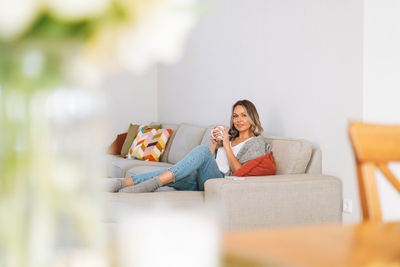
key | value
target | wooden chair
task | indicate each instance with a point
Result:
(374, 147)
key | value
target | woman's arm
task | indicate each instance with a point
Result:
(234, 164)
(213, 147)
(214, 141)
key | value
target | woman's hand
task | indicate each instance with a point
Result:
(225, 137)
(216, 133)
(214, 140)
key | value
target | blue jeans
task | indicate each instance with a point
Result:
(190, 173)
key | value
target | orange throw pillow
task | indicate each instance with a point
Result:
(264, 165)
(116, 146)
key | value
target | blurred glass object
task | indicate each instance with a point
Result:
(50, 157)
(170, 237)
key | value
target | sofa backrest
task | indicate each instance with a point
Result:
(292, 156)
(315, 164)
(174, 127)
(187, 137)
(206, 138)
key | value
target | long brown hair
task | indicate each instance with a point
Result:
(252, 116)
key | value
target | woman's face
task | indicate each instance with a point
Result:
(240, 119)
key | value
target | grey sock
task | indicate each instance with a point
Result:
(113, 184)
(147, 186)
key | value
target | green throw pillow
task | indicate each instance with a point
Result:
(155, 125)
(132, 131)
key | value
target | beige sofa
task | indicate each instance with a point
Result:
(297, 194)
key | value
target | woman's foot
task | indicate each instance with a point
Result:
(115, 184)
(150, 185)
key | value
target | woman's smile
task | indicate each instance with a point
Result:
(240, 119)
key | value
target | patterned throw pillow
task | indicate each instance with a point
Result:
(149, 143)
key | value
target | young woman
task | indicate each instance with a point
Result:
(240, 144)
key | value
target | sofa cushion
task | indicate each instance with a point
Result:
(206, 137)
(291, 155)
(116, 146)
(119, 166)
(174, 128)
(149, 143)
(261, 166)
(187, 137)
(315, 164)
(132, 131)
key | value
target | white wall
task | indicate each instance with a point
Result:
(382, 82)
(299, 61)
(130, 99)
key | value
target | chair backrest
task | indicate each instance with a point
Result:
(374, 147)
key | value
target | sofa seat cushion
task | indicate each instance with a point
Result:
(109, 158)
(107, 161)
(118, 203)
(119, 166)
(187, 137)
(291, 155)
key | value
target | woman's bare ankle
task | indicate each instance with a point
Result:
(167, 177)
(128, 181)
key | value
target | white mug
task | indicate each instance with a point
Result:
(220, 128)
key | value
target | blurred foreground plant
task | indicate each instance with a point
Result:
(48, 137)
(41, 40)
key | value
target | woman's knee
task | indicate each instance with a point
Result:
(204, 150)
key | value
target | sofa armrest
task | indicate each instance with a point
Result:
(278, 200)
